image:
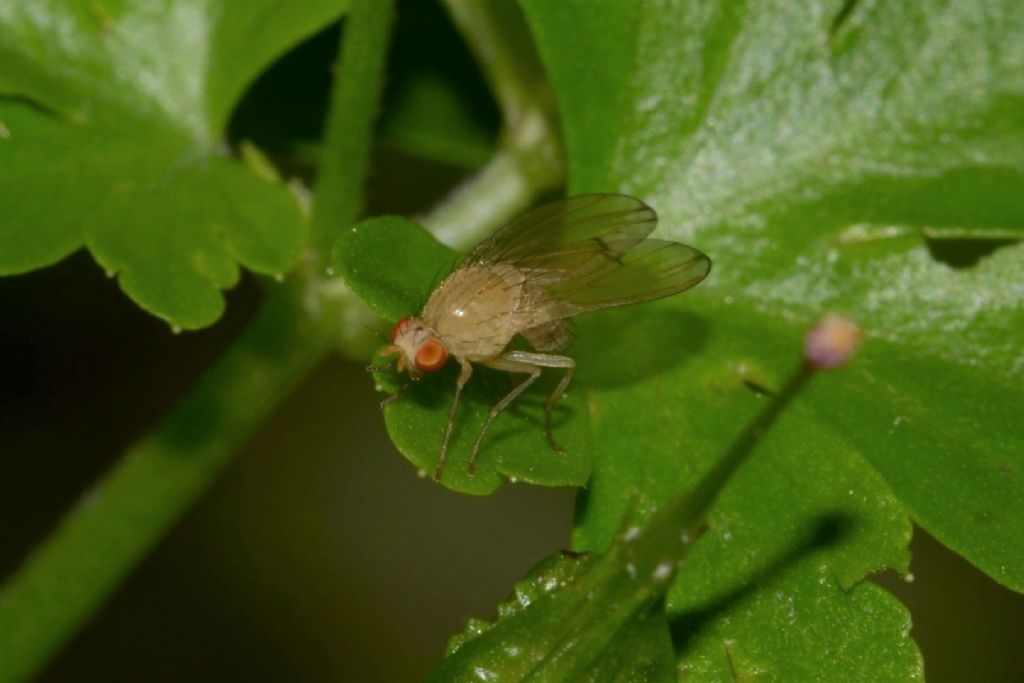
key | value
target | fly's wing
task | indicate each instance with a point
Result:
(570, 238)
(651, 270)
(589, 252)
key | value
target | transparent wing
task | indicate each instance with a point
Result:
(571, 237)
(590, 252)
(651, 270)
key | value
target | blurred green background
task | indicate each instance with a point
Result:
(320, 554)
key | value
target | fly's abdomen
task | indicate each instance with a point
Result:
(551, 336)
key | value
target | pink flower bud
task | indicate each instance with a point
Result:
(832, 342)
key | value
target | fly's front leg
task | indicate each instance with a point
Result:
(465, 372)
(546, 360)
(387, 400)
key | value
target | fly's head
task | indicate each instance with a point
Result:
(418, 348)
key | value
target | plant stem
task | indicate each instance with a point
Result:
(528, 161)
(118, 522)
(349, 128)
(498, 35)
(525, 165)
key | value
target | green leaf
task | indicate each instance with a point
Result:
(134, 98)
(430, 119)
(809, 150)
(573, 617)
(805, 477)
(581, 617)
(393, 265)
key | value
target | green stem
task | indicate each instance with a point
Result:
(499, 37)
(690, 509)
(525, 165)
(528, 161)
(117, 523)
(349, 129)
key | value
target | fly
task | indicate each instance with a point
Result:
(573, 256)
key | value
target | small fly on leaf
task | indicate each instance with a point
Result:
(573, 256)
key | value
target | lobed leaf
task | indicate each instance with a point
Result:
(585, 617)
(111, 118)
(829, 213)
(816, 151)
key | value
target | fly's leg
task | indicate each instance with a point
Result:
(465, 372)
(550, 404)
(395, 396)
(503, 363)
(547, 360)
(513, 407)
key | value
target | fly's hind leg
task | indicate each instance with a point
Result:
(550, 404)
(547, 360)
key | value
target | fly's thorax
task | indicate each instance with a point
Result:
(420, 348)
(477, 310)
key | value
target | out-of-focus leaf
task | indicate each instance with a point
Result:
(573, 618)
(437, 105)
(584, 617)
(430, 120)
(111, 119)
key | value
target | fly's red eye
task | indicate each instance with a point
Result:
(398, 329)
(431, 356)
